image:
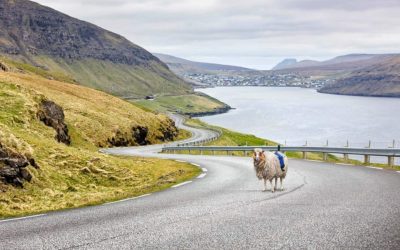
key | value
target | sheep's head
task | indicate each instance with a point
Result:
(258, 155)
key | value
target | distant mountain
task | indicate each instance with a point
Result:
(95, 57)
(285, 63)
(180, 65)
(381, 78)
(341, 63)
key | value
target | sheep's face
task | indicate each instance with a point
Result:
(258, 155)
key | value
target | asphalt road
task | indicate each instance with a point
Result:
(323, 206)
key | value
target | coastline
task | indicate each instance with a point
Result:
(217, 111)
(360, 95)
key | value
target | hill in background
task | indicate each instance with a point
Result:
(285, 63)
(381, 78)
(92, 56)
(180, 65)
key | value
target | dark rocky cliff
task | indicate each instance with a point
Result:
(27, 28)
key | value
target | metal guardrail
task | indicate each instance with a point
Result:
(201, 142)
(367, 152)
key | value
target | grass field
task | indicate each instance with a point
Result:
(76, 175)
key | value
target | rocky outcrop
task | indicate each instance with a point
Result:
(3, 67)
(53, 116)
(139, 135)
(13, 167)
(168, 130)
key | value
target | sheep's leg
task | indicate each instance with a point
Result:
(276, 183)
(272, 186)
(281, 179)
(265, 185)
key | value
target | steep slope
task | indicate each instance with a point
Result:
(93, 56)
(181, 66)
(380, 79)
(50, 132)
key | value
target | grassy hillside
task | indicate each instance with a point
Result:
(76, 175)
(92, 56)
(191, 104)
(118, 79)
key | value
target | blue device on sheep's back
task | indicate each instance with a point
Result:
(280, 157)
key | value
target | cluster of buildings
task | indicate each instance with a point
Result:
(256, 79)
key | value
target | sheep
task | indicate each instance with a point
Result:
(267, 167)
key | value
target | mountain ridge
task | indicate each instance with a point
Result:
(175, 62)
(44, 37)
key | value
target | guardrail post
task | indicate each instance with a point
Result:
(346, 157)
(325, 156)
(201, 152)
(367, 159)
(213, 152)
(304, 155)
(391, 161)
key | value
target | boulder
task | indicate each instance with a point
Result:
(13, 167)
(53, 116)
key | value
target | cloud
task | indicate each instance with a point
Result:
(244, 32)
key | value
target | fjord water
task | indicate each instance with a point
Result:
(297, 115)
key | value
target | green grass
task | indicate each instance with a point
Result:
(229, 137)
(76, 175)
(183, 104)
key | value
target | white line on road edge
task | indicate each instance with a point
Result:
(22, 218)
(398, 172)
(194, 164)
(315, 160)
(345, 164)
(181, 184)
(374, 168)
(201, 176)
(204, 169)
(127, 199)
(179, 161)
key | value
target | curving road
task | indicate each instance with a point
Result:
(324, 206)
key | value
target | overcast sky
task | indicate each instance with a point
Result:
(252, 33)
